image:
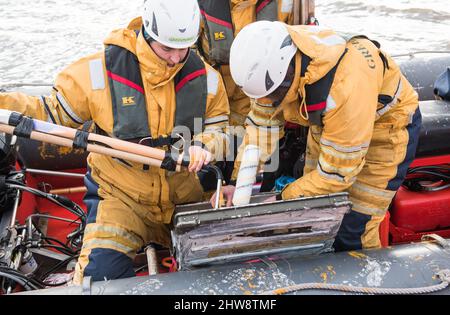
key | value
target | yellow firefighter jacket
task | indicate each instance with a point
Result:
(357, 114)
(82, 93)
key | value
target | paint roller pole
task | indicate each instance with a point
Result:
(247, 175)
(114, 143)
(70, 133)
(218, 190)
(43, 137)
(63, 136)
(184, 161)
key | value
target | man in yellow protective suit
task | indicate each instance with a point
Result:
(362, 113)
(221, 22)
(145, 82)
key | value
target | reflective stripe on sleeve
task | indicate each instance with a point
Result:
(388, 106)
(331, 40)
(68, 109)
(212, 80)
(250, 122)
(215, 120)
(50, 117)
(342, 148)
(97, 74)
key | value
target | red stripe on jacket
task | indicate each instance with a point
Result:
(189, 77)
(318, 106)
(216, 20)
(262, 5)
(127, 82)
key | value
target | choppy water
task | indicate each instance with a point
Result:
(39, 38)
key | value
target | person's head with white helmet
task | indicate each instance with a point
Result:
(262, 60)
(171, 27)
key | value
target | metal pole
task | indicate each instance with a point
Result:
(45, 172)
(16, 206)
(218, 192)
(18, 258)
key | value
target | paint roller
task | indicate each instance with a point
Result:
(247, 175)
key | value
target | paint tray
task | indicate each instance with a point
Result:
(286, 228)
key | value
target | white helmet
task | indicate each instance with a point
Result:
(173, 23)
(260, 57)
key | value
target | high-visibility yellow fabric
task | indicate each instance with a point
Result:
(74, 85)
(127, 219)
(134, 198)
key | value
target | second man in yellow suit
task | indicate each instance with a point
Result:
(221, 22)
(362, 114)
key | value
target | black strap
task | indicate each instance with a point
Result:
(81, 136)
(2, 183)
(81, 140)
(3, 193)
(158, 142)
(385, 62)
(170, 162)
(24, 125)
(122, 161)
(15, 118)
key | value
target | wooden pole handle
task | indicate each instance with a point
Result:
(69, 190)
(70, 133)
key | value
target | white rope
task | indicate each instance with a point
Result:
(443, 275)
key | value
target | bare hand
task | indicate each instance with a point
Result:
(198, 157)
(228, 192)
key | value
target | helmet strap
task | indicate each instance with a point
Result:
(280, 92)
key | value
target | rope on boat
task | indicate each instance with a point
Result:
(443, 275)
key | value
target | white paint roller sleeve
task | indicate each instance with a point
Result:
(247, 175)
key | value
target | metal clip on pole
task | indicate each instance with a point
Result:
(219, 176)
